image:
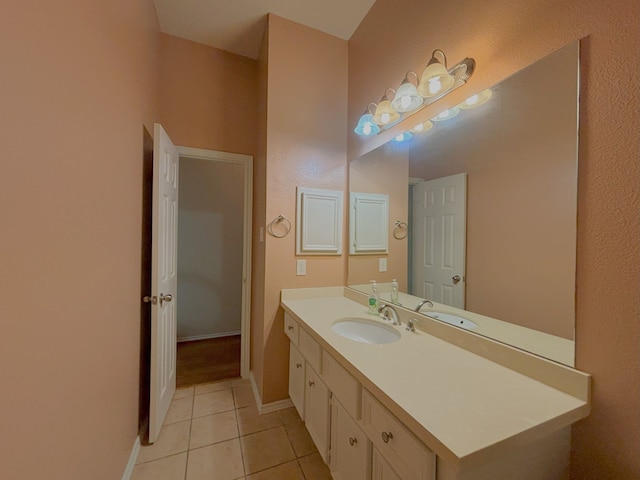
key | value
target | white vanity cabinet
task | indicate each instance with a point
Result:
(350, 447)
(381, 470)
(317, 411)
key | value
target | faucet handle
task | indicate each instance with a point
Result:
(411, 324)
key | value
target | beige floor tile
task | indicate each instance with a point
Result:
(287, 471)
(221, 461)
(212, 387)
(213, 429)
(214, 402)
(314, 467)
(244, 397)
(240, 383)
(167, 468)
(250, 421)
(173, 438)
(183, 392)
(289, 415)
(300, 439)
(179, 410)
(266, 449)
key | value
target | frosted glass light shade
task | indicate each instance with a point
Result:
(446, 115)
(435, 80)
(366, 126)
(385, 114)
(422, 127)
(406, 98)
(476, 100)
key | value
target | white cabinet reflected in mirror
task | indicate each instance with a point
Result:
(368, 223)
(519, 153)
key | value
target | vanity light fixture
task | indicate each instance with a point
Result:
(476, 100)
(385, 113)
(403, 137)
(422, 127)
(366, 126)
(435, 78)
(436, 82)
(407, 97)
(446, 115)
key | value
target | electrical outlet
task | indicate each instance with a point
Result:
(382, 265)
(301, 267)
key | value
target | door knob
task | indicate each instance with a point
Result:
(165, 298)
(456, 279)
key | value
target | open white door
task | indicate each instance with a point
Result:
(163, 279)
(439, 241)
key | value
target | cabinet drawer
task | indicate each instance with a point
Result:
(291, 328)
(408, 456)
(346, 388)
(310, 350)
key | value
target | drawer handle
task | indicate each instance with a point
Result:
(311, 383)
(290, 327)
(386, 436)
(298, 365)
(353, 441)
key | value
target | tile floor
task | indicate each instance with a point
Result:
(214, 432)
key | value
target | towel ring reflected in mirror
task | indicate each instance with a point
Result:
(280, 222)
(401, 230)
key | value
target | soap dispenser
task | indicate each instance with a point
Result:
(394, 292)
(374, 299)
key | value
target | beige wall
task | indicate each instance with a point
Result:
(384, 170)
(207, 97)
(504, 37)
(306, 98)
(78, 83)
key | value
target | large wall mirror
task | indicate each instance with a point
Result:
(489, 197)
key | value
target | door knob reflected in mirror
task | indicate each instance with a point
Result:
(165, 298)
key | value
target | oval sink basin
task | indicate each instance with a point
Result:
(365, 331)
(453, 319)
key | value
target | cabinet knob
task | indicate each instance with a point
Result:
(298, 365)
(353, 441)
(386, 436)
(290, 327)
(311, 383)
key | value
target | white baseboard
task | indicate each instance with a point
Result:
(267, 407)
(208, 336)
(132, 459)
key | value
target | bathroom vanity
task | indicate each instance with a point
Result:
(437, 403)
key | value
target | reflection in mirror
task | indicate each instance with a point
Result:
(516, 155)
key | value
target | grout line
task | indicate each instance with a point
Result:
(193, 404)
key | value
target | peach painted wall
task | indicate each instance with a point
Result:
(384, 170)
(208, 97)
(78, 83)
(504, 37)
(305, 146)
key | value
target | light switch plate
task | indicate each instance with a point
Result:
(301, 267)
(382, 265)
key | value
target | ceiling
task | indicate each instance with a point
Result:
(238, 25)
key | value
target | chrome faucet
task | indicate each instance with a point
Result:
(384, 311)
(421, 304)
(411, 324)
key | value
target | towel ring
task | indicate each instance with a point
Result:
(401, 230)
(280, 219)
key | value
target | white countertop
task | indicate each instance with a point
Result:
(466, 408)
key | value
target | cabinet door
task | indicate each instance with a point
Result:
(317, 412)
(296, 379)
(350, 447)
(381, 469)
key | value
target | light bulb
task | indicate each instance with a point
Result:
(444, 115)
(434, 85)
(472, 100)
(366, 129)
(385, 118)
(405, 102)
(419, 127)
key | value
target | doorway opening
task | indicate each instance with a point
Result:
(214, 258)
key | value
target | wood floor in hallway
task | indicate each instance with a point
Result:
(210, 360)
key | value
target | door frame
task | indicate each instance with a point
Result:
(247, 162)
